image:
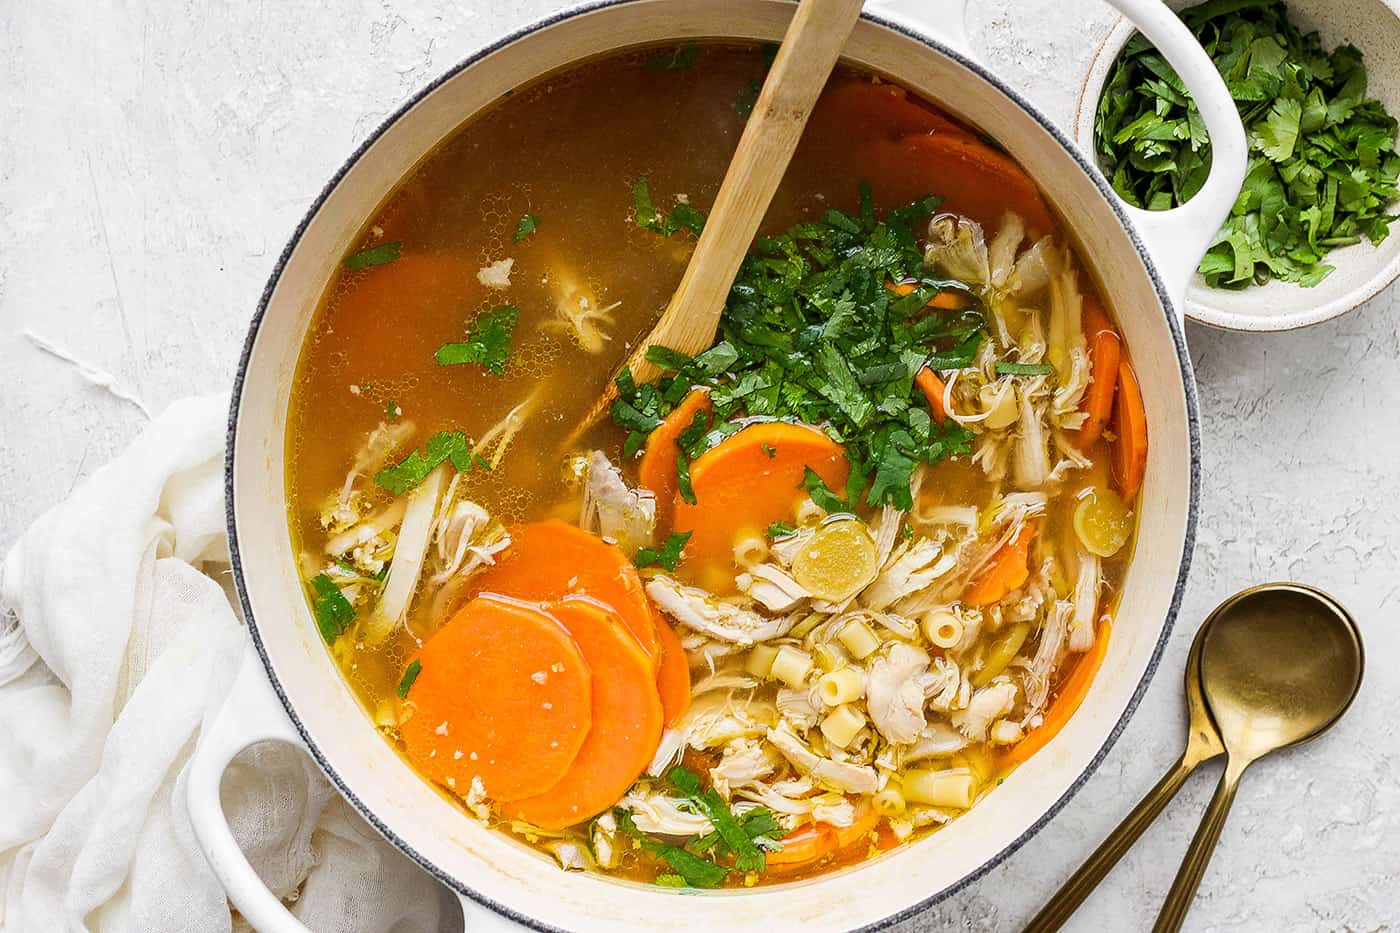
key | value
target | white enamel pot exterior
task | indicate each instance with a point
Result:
(290, 689)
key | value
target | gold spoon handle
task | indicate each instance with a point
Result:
(1193, 866)
(1066, 900)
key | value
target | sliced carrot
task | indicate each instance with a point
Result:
(658, 467)
(672, 674)
(861, 110)
(1008, 571)
(503, 693)
(627, 718)
(748, 481)
(1071, 693)
(803, 846)
(928, 382)
(1105, 351)
(1130, 428)
(547, 561)
(971, 177)
(812, 842)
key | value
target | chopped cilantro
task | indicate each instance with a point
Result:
(413, 469)
(1005, 368)
(732, 838)
(821, 493)
(678, 59)
(693, 870)
(380, 255)
(907, 530)
(669, 881)
(410, 674)
(487, 343)
(333, 611)
(781, 530)
(682, 216)
(770, 450)
(811, 334)
(391, 410)
(525, 226)
(687, 491)
(1322, 162)
(668, 555)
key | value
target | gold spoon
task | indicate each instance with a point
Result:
(1202, 744)
(809, 51)
(1280, 664)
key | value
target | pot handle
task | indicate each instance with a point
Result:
(253, 713)
(1178, 238)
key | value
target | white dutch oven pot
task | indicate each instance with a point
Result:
(290, 690)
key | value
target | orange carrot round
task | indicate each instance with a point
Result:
(672, 674)
(803, 846)
(549, 560)
(502, 693)
(748, 481)
(1071, 693)
(1008, 571)
(658, 466)
(862, 110)
(626, 715)
(1105, 351)
(1130, 428)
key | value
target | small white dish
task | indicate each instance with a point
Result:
(1361, 271)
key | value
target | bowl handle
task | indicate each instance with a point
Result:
(253, 713)
(1177, 238)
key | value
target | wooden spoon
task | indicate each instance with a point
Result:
(809, 52)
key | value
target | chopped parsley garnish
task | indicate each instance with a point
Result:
(683, 483)
(694, 871)
(811, 334)
(1322, 161)
(821, 493)
(525, 226)
(410, 674)
(333, 611)
(682, 216)
(413, 469)
(730, 835)
(487, 343)
(668, 555)
(781, 530)
(678, 59)
(391, 410)
(1005, 368)
(380, 255)
(770, 450)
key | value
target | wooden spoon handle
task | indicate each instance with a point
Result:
(810, 49)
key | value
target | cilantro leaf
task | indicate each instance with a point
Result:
(410, 674)
(525, 226)
(693, 870)
(748, 856)
(380, 255)
(332, 610)
(821, 493)
(1008, 368)
(644, 212)
(668, 555)
(487, 343)
(413, 469)
(781, 529)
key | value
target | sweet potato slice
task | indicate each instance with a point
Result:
(502, 693)
(1105, 350)
(1130, 428)
(549, 560)
(658, 466)
(627, 718)
(748, 481)
(672, 674)
(861, 110)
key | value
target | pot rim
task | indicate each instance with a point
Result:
(1174, 325)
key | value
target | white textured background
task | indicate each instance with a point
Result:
(155, 156)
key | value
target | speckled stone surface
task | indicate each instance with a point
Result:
(154, 157)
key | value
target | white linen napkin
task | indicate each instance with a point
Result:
(118, 641)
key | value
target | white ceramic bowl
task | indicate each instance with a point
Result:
(1373, 26)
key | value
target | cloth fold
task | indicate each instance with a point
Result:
(118, 641)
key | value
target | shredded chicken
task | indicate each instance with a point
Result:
(837, 775)
(773, 588)
(613, 510)
(496, 274)
(912, 568)
(894, 694)
(987, 704)
(693, 607)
